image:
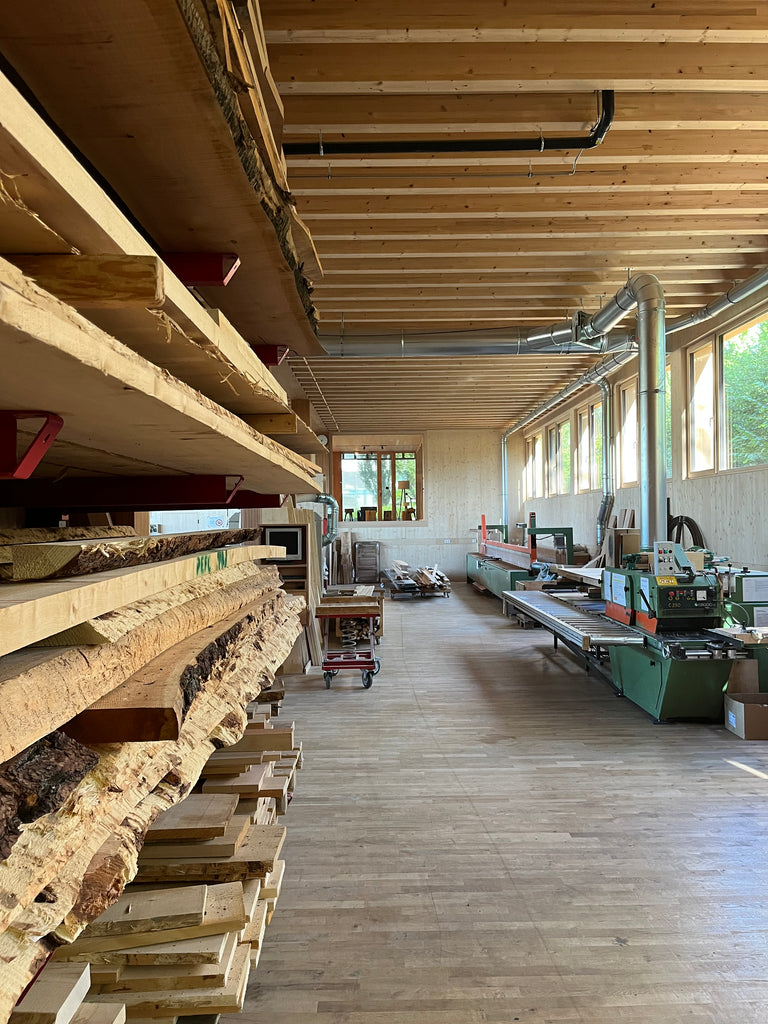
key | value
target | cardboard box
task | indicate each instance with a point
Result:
(746, 715)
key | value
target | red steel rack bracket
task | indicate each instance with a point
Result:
(11, 466)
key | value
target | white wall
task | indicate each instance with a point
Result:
(462, 480)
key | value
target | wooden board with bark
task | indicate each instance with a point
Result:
(66, 558)
(53, 856)
(46, 535)
(42, 689)
(152, 703)
(32, 611)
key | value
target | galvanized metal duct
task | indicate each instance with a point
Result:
(644, 292)
(333, 517)
(562, 337)
(606, 505)
(736, 294)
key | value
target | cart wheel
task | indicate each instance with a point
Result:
(367, 680)
(377, 663)
(328, 676)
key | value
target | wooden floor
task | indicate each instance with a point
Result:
(489, 835)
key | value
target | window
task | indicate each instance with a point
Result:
(374, 484)
(668, 419)
(534, 467)
(628, 446)
(596, 442)
(744, 388)
(559, 458)
(701, 409)
(589, 449)
(728, 401)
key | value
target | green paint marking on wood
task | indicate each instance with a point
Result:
(222, 557)
(203, 566)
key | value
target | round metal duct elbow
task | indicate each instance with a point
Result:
(333, 518)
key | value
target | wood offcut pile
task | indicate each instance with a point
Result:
(118, 686)
(422, 581)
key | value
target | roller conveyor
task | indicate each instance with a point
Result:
(573, 619)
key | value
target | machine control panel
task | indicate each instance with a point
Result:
(664, 558)
(685, 598)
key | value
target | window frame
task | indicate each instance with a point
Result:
(381, 454)
(721, 455)
(587, 460)
(534, 466)
(623, 388)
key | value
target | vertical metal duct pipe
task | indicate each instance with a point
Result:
(644, 292)
(606, 505)
(652, 364)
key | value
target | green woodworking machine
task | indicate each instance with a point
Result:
(669, 629)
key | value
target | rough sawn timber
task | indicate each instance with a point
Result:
(61, 559)
(122, 414)
(115, 804)
(151, 704)
(42, 688)
(32, 611)
(45, 535)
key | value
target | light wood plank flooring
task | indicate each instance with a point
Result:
(489, 835)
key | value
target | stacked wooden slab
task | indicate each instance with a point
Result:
(183, 937)
(57, 997)
(137, 676)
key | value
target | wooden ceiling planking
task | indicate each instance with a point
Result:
(416, 244)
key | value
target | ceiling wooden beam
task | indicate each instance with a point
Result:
(458, 205)
(529, 112)
(682, 20)
(414, 67)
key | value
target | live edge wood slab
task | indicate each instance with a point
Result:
(33, 611)
(122, 414)
(79, 858)
(65, 558)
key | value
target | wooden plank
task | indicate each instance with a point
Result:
(254, 931)
(231, 764)
(251, 896)
(227, 998)
(285, 423)
(72, 558)
(200, 816)
(247, 784)
(224, 912)
(99, 1013)
(152, 704)
(54, 996)
(152, 911)
(135, 633)
(104, 281)
(31, 611)
(63, 193)
(105, 974)
(256, 857)
(121, 413)
(273, 883)
(279, 738)
(160, 977)
(220, 846)
(36, 535)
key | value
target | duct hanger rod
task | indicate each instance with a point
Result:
(539, 143)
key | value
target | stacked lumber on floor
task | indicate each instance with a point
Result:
(57, 997)
(182, 938)
(154, 667)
